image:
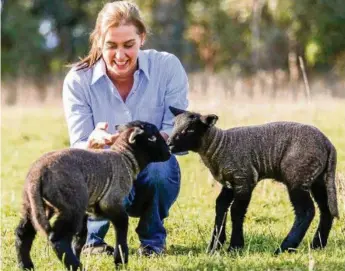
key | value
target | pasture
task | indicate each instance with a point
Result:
(27, 133)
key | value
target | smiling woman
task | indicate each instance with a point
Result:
(114, 84)
(120, 54)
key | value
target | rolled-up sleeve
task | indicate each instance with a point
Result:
(77, 110)
(176, 92)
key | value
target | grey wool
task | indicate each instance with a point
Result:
(73, 182)
(297, 155)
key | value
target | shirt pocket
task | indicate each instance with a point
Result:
(152, 114)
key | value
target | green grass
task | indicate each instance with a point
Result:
(28, 133)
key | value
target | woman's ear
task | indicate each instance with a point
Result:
(142, 39)
(100, 44)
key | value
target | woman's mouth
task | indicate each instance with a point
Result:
(121, 64)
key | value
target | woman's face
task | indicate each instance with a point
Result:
(120, 50)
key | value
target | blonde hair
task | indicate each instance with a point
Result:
(112, 14)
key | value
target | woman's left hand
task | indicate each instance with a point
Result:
(165, 136)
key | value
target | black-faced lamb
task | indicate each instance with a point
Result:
(72, 182)
(298, 155)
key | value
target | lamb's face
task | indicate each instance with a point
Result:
(188, 130)
(146, 137)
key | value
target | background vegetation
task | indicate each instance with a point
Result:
(257, 39)
(190, 222)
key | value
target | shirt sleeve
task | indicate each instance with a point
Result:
(176, 92)
(77, 110)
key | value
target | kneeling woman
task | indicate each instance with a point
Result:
(116, 83)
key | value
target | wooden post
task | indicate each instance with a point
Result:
(305, 79)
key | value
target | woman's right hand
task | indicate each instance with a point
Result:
(99, 137)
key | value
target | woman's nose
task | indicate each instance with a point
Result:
(119, 54)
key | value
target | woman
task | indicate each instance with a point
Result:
(115, 83)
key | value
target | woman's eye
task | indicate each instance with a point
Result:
(127, 46)
(111, 46)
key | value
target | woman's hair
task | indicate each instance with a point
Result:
(112, 14)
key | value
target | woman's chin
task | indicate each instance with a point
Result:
(119, 71)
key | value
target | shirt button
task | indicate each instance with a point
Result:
(129, 116)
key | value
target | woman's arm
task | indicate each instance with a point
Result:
(78, 112)
(176, 92)
(82, 132)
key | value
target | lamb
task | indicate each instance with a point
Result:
(298, 155)
(72, 182)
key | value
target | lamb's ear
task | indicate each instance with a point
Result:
(209, 120)
(120, 128)
(176, 111)
(136, 131)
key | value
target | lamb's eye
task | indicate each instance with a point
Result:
(187, 131)
(152, 139)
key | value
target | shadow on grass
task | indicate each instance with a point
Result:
(254, 244)
(195, 249)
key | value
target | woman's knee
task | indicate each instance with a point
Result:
(162, 172)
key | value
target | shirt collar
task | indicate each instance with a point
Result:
(144, 63)
(99, 69)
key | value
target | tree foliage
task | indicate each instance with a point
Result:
(40, 37)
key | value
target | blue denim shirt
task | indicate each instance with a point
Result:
(90, 97)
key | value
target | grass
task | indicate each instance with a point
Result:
(29, 132)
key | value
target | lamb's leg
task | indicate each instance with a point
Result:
(61, 237)
(25, 234)
(80, 238)
(326, 219)
(222, 206)
(238, 211)
(120, 222)
(304, 214)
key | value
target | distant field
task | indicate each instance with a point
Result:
(28, 133)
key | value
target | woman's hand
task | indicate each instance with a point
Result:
(165, 135)
(99, 137)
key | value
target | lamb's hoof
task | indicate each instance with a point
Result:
(28, 266)
(214, 248)
(121, 256)
(282, 250)
(235, 249)
(120, 264)
(100, 249)
(215, 244)
(317, 244)
(147, 251)
(235, 246)
(277, 252)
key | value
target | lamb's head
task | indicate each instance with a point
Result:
(145, 138)
(189, 127)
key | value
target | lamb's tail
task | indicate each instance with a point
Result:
(329, 178)
(38, 214)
